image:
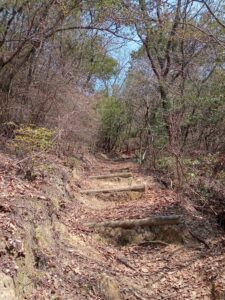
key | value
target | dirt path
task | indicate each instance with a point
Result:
(175, 269)
(48, 252)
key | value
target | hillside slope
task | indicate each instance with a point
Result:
(48, 251)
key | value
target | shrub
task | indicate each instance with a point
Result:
(29, 139)
(113, 121)
(30, 142)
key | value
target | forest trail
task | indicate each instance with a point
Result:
(172, 267)
(112, 150)
(51, 252)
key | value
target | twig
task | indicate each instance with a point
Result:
(125, 262)
(146, 243)
(199, 239)
(138, 297)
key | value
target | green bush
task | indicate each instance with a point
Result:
(30, 143)
(165, 162)
(28, 139)
(113, 122)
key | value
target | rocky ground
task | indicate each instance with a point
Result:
(48, 251)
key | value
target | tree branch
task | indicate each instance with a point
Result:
(211, 12)
(91, 27)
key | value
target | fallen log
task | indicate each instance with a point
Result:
(106, 176)
(125, 169)
(134, 188)
(151, 221)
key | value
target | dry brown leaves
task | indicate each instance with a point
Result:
(152, 272)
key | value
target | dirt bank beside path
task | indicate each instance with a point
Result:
(47, 251)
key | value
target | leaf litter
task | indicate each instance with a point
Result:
(186, 270)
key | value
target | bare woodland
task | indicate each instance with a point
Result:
(112, 147)
(52, 54)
